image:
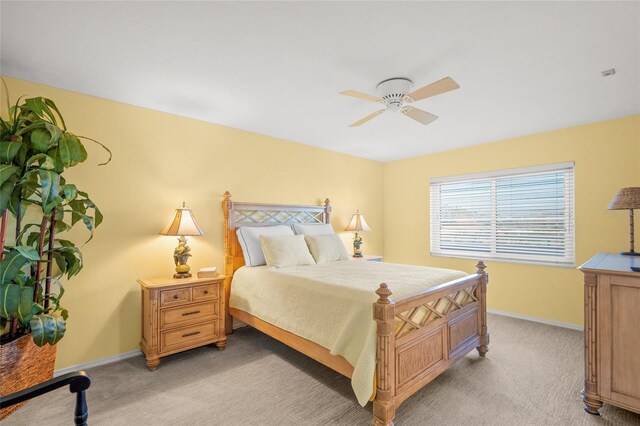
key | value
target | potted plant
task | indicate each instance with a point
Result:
(38, 204)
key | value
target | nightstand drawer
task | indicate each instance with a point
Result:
(205, 292)
(185, 337)
(175, 297)
(183, 315)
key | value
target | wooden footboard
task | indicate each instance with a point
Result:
(421, 336)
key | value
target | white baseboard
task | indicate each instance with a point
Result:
(236, 324)
(536, 319)
(98, 362)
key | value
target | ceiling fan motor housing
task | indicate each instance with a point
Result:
(393, 92)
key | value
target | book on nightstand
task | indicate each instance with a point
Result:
(209, 272)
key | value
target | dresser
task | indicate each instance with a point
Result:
(181, 314)
(611, 332)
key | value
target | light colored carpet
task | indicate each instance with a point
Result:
(532, 376)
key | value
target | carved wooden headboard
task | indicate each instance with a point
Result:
(256, 214)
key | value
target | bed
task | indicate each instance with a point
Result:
(415, 335)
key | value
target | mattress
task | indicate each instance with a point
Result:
(331, 304)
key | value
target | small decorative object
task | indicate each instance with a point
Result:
(182, 225)
(209, 272)
(627, 199)
(357, 224)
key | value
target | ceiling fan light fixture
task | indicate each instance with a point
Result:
(393, 92)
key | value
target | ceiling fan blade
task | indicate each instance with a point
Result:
(441, 86)
(360, 95)
(422, 117)
(367, 118)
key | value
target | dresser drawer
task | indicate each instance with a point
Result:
(175, 297)
(205, 292)
(183, 315)
(186, 337)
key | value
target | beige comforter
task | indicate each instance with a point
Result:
(330, 304)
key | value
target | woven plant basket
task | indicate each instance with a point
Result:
(23, 364)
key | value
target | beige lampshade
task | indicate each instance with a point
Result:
(183, 224)
(626, 199)
(357, 223)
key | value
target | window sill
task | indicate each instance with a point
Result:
(489, 258)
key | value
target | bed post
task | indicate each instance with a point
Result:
(384, 407)
(327, 210)
(483, 280)
(227, 206)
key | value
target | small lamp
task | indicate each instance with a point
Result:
(627, 199)
(357, 224)
(182, 225)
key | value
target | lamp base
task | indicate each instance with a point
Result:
(630, 253)
(181, 275)
(358, 255)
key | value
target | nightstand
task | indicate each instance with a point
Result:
(369, 258)
(181, 314)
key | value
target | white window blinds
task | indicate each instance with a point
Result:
(521, 215)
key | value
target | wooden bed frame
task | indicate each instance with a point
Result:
(418, 337)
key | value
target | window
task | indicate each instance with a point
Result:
(520, 215)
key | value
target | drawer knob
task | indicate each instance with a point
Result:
(175, 296)
(206, 292)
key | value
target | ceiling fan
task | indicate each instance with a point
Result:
(394, 93)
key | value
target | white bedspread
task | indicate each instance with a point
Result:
(330, 304)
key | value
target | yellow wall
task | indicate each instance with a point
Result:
(159, 160)
(606, 159)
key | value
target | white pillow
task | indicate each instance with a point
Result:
(326, 248)
(313, 228)
(249, 239)
(282, 251)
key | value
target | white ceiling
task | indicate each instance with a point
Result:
(276, 67)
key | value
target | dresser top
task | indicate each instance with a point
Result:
(169, 281)
(612, 263)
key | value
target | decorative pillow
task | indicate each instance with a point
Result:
(313, 228)
(283, 251)
(249, 238)
(326, 248)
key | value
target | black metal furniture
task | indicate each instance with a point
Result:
(78, 382)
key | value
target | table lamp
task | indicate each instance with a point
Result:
(182, 226)
(627, 199)
(357, 224)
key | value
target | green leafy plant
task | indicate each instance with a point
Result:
(35, 150)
